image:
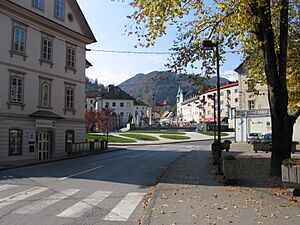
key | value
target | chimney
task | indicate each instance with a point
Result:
(110, 87)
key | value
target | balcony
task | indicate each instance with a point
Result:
(253, 112)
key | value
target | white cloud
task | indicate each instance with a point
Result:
(107, 75)
(230, 75)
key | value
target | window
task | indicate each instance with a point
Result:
(128, 104)
(16, 89)
(59, 9)
(15, 142)
(91, 101)
(19, 39)
(106, 104)
(40, 4)
(251, 104)
(114, 104)
(47, 47)
(69, 97)
(236, 90)
(236, 100)
(121, 104)
(251, 85)
(70, 61)
(45, 95)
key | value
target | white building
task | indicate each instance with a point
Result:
(195, 109)
(120, 101)
(42, 65)
(142, 113)
(253, 113)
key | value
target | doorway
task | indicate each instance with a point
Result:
(44, 145)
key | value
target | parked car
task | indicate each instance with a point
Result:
(253, 137)
(267, 138)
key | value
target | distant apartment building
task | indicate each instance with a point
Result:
(201, 108)
(120, 101)
(42, 64)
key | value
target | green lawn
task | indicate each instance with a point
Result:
(111, 138)
(175, 137)
(211, 133)
(156, 131)
(141, 137)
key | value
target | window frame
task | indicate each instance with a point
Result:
(69, 104)
(17, 42)
(70, 58)
(69, 98)
(59, 9)
(18, 92)
(19, 148)
(49, 49)
(251, 104)
(39, 4)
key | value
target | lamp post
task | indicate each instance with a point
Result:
(217, 146)
(213, 97)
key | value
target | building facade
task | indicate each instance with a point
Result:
(42, 64)
(120, 102)
(202, 108)
(253, 113)
(142, 113)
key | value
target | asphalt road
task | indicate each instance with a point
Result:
(104, 189)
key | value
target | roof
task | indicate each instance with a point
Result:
(92, 93)
(232, 84)
(45, 114)
(87, 64)
(139, 103)
(116, 93)
(87, 32)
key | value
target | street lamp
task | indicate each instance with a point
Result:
(217, 146)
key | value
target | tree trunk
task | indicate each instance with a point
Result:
(278, 97)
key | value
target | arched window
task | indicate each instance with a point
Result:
(15, 142)
(45, 95)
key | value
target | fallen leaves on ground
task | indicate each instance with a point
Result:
(280, 191)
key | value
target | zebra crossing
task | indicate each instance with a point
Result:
(121, 212)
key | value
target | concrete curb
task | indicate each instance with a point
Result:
(61, 159)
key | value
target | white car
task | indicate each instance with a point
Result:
(252, 137)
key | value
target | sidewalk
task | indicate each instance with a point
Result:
(190, 193)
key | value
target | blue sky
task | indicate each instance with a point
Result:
(107, 20)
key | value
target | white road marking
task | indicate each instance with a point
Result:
(134, 156)
(125, 208)
(44, 203)
(21, 196)
(7, 186)
(83, 206)
(75, 174)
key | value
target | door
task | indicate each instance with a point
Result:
(44, 145)
(69, 140)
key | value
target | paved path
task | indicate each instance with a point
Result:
(194, 137)
(190, 193)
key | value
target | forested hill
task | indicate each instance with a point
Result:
(164, 85)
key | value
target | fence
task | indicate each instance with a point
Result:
(83, 147)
